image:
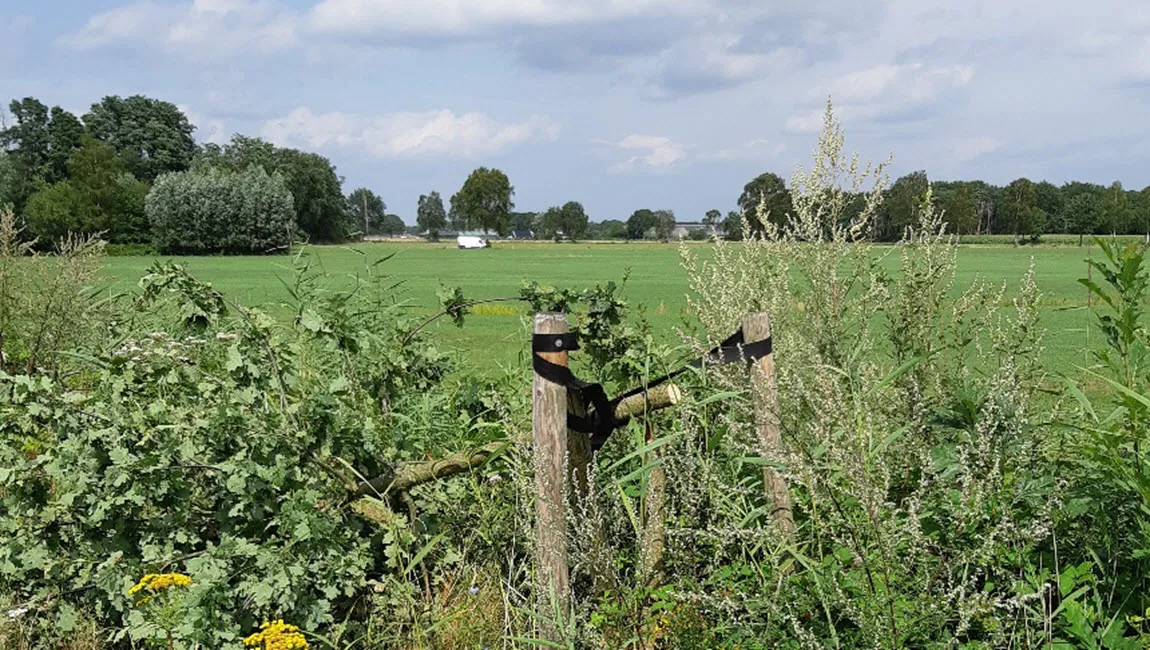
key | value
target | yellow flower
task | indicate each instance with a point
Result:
(277, 635)
(158, 582)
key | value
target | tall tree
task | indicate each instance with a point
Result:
(712, 219)
(1048, 197)
(639, 223)
(1116, 209)
(1141, 212)
(769, 192)
(98, 197)
(367, 210)
(664, 224)
(1018, 210)
(321, 210)
(484, 201)
(899, 209)
(7, 180)
(65, 136)
(392, 225)
(568, 220)
(1083, 214)
(151, 136)
(430, 215)
(41, 141)
(733, 226)
(960, 210)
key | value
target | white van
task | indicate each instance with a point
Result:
(471, 241)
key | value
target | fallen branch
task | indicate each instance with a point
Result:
(410, 475)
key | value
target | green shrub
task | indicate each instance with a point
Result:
(214, 211)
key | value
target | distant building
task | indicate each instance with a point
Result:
(521, 234)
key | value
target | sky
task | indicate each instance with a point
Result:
(618, 104)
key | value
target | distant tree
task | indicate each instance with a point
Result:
(1018, 210)
(664, 224)
(610, 229)
(568, 220)
(733, 226)
(900, 206)
(98, 197)
(484, 201)
(712, 219)
(639, 223)
(430, 215)
(1083, 214)
(960, 210)
(367, 210)
(321, 209)
(523, 221)
(1116, 215)
(1048, 197)
(221, 211)
(7, 180)
(770, 192)
(41, 141)
(1141, 212)
(392, 225)
(150, 136)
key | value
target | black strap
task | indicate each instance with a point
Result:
(600, 422)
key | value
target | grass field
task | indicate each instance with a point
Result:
(496, 333)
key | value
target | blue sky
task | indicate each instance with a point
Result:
(619, 104)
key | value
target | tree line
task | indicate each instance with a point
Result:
(131, 170)
(1024, 208)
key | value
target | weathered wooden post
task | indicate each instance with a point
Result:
(757, 327)
(549, 426)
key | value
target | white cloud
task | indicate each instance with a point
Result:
(655, 152)
(407, 135)
(432, 17)
(970, 148)
(884, 90)
(202, 29)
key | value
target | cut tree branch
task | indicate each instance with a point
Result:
(410, 475)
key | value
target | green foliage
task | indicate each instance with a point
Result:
(367, 211)
(151, 137)
(41, 142)
(430, 215)
(568, 221)
(899, 209)
(485, 201)
(654, 224)
(217, 211)
(320, 209)
(99, 198)
(765, 198)
(211, 451)
(1018, 210)
(607, 229)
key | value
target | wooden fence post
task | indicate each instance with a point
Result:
(757, 327)
(549, 426)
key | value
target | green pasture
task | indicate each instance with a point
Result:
(495, 334)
